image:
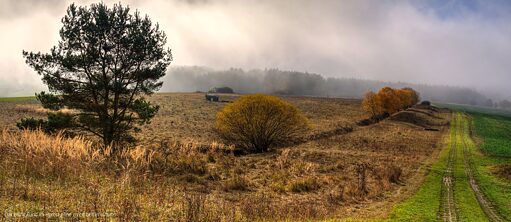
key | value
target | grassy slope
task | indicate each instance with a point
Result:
(16, 99)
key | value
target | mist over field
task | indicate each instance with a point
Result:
(456, 43)
(274, 81)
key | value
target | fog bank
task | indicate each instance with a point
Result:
(274, 81)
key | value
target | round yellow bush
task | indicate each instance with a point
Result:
(258, 122)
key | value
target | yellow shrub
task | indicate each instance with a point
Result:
(259, 121)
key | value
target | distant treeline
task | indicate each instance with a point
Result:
(274, 81)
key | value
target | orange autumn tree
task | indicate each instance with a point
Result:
(405, 98)
(408, 97)
(371, 103)
(415, 96)
(389, 100)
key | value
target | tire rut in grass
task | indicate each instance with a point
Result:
(447, 206)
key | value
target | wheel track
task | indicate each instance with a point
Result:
(447, 205)
(484, 203)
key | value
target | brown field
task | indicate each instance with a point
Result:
(169, 176)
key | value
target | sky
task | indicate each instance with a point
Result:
(442, 42)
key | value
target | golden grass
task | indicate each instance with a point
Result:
(38, 153)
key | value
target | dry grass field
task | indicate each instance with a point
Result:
(189, 117)
(181, 172)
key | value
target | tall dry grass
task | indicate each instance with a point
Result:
(37, 153)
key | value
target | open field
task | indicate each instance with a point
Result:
(358, 175)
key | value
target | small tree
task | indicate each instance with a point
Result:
(258, 122)
(371, 104)
(106, 60)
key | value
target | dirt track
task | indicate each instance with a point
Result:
(447, 206)
(485, 204)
